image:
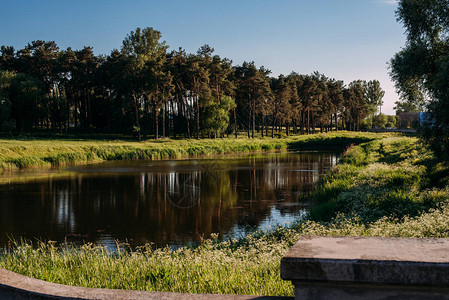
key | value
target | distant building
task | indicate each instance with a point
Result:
(408, 120)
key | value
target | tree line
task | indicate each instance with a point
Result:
(145, 90)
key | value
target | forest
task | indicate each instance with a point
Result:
(145, 91)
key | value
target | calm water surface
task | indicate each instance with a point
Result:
(163, 202)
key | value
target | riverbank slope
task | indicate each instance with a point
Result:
(45, 153)
(386, 187)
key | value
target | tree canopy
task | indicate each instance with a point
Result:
(421, 69)
(146, 90)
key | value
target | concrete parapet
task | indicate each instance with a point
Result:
(368, 268)
(15, 286)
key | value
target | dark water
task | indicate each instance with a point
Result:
(163, 202)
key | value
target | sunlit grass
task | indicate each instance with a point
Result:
(42, 153)
(390, 187)
(212, 267)
(388, 177)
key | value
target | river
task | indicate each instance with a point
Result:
(167, 202)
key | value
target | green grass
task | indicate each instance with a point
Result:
(230, 267)
(388, 177)
(391, 187)
(45, 153)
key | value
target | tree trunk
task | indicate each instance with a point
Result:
(235, 123)
(186, 116)
(254, 118)
(313, 125)
(266, 127)
(197, 117)
(136, 114)
(89, 113)
(336, 121)
(75, 114)
(308, 121)
(249, 122)
(163, 120)
(156, 123)
(172, 104)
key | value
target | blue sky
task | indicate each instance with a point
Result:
(344, 39)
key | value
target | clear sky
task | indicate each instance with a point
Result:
(344, 39)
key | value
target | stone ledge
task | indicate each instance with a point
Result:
(405, 261)
(368, 267)
(16, 286)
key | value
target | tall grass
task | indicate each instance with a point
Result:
(15, 153)
(388, 177)
(429, 224)
(212, 267)
(390, 187)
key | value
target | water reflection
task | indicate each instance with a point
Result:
(164, 202)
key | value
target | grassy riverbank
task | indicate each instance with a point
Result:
(391, 187)
(386, 187)
(44, 153)
(249, 267)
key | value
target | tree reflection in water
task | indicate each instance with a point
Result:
(163, 202)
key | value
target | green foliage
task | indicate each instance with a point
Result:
(335, 140)
(431, 224)
(145, 76)
(382, 178)
(374, 95)
(216, 116)
(249, 267)
(381, 120)
(392, 121)
(6, 121)
(142, 90)
(24, 95)
(390, 187)
(69, 158)
(26, 162)
(420, 70)
(355, 156)
(19, 101)
(366, 123)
